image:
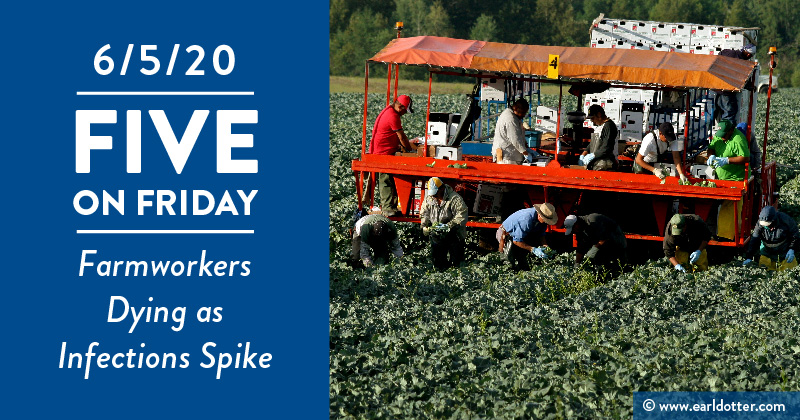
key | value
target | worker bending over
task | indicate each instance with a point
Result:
(374, 239)
(444, 220)
(685, 241)
(660, 146)
(599, 155)
(775, 238)
(523, 228)
(600, 241)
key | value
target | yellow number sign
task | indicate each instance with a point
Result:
(552, 66)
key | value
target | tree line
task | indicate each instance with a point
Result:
(360, 28)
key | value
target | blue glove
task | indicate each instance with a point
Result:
(720, 161)
(529, 158)
(442, 228)
(539, 253)
(580, 160)
(790, 256)
(711, 159)
(694, 257)
(588, 158)
(746, 262)
(680, 268)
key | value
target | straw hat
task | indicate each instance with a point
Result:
(548, 213)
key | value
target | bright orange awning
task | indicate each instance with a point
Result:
(644, 67)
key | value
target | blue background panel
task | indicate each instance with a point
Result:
(281, 54)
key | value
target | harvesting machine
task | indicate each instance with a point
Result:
(641, 204)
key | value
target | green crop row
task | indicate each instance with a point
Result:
(481, 341)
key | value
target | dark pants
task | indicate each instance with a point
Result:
(727, 106)
(388, 193)
(448, 244)
(380, 250)
(518, 257)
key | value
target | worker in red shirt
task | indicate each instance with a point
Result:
(387, 138)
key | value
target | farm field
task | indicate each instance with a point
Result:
(481, 341)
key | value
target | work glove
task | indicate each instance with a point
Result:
(720, 161)
(711, 159)
(680, 268)
(746, 262)
(443, 228)
(529, 158)
(660, 173)
(367, 262)
(694, 257)
(588, 158)
(592, 252)
(426, 231)
(790, 256)
(539, 252)
(684, 178)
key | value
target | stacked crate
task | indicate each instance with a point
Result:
(670, 37)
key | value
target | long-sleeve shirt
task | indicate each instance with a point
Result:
(695, 232)
(600, 228)
(603, 147)
(509, 136)
(363, 234)
(777, 239)
(452, 211)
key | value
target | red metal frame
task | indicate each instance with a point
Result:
(407, 170)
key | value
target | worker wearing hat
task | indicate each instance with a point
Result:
(600, 240)
(374, 240)
(685, 241)
(775, 238)
(387, 138)
(728, 154)
(726, 104)
(521, 229)
(443, 217)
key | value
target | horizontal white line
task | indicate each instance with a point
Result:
(165, 93)
(163, 231)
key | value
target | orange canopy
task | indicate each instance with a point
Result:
(642, 67)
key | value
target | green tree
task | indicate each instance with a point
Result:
(437, 21)
(484, 29)
(366, 33)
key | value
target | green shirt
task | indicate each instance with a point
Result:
(736, 146)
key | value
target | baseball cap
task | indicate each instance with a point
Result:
(406, 101)
(666, 129)
(724, 126)
(433, 185)
(678, 224)
(767, 216)
(569, 223)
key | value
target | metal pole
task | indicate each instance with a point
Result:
(389, 86)
(366, 92)
(558, 119)
(772, 51)
(428, 116)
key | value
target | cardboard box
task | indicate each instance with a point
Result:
(680, 29)
(449, 153)
(437, 133)
(488, 199)
(493, 90)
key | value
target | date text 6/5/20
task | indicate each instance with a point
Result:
(150, 64)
